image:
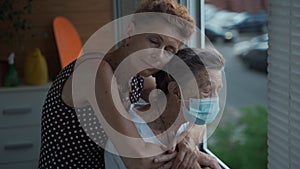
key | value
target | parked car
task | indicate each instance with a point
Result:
(209, 11)
(242, 48)
(254, 52)
(222, 17)
(248, 22)
(214, 32)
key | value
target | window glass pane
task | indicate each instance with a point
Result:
(240, 140)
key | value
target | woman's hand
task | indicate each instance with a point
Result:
(166, 159)
(186, 144)
(207, 160)
(150, 162)
(169, 164)
(187, 154)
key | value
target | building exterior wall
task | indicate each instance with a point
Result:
(240, 5)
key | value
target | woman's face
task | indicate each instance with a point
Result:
(209, 84)
(212, 85)
(152, 51)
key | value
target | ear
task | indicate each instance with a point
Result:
(174, 89)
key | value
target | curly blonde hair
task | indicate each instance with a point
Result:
(173, 8)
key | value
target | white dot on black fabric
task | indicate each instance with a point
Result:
(62, 133)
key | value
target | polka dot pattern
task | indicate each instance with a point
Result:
(137, 85)
(64, 140)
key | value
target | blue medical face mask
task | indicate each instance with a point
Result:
(202, 111)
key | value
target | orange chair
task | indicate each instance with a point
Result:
(67, 40)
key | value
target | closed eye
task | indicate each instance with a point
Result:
(154, 41)
(206, 91)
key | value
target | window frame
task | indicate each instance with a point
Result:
(195, 9)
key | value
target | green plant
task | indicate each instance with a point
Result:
(12, 17)
(243, 144)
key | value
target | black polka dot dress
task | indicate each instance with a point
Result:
(64, 142)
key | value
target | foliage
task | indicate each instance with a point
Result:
(243, 144)
(12, 13)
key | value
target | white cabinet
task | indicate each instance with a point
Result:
(20, 126)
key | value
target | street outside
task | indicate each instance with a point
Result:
(243, 126)
(245, 87)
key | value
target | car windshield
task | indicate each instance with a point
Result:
(262, 38)
(214, 27)
(239, 18)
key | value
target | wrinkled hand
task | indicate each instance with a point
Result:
(166, 159)
(207, 160)
(170, 163)
(187, 154)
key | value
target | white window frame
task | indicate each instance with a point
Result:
(195, 10)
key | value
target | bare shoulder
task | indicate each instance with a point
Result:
(89, 59)
(83, 78)
(89, 65)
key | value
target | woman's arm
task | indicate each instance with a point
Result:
(94, 83)
(187, 148)
(114, 117)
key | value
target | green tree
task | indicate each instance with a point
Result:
(243, 144)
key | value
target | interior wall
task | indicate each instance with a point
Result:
(86, 15)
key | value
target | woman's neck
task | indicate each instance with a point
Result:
(123, 72)
(115, 57)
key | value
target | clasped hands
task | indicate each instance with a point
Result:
(186, 155)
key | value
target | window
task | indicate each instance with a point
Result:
(197, 12)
